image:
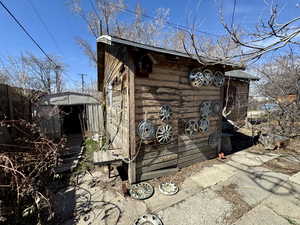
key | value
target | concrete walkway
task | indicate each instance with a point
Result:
(241, 191)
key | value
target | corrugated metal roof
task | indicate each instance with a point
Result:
(110, 39)
(67, 98)
(241, 75)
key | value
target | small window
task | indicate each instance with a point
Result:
(144, 66)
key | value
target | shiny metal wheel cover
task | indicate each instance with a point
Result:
(205, 108)
(164, 134)
(168, 188)
(148, 219)
(146, 130)
(165, 113)
(203, 125)
(219, 79)
(209, 78)
(191, 127)
(141, 191)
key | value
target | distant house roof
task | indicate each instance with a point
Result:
(241, 75)
(106, 39)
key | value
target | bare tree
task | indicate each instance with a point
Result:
(144, 31)
(15, 72)
(106, 13)
(3, 77)
(270, 34)
(31, 72)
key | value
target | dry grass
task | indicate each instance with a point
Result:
(240, 207)
(286, 164)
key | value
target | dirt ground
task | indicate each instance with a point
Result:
(241, 207)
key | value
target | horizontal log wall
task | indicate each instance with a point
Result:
(168, 84)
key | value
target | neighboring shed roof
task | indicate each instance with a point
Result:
(241, 75)
(106, 39)
(67, 98)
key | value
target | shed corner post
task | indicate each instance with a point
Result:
(131, 105)
(221, 119)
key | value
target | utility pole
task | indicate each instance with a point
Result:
(82, 81)
(57, 70)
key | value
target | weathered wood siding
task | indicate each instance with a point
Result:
(238, 94)
(195, 148)
(150, 94)
(94, 119)
(116, 94)
(168, 84)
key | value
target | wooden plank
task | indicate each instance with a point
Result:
(200, 98)
(154, 110)
(106, 157)
(195, 103)
(178, 72)
(131, 105)
(155, 102)
(151, 96)
(160, 159)
(186, 148)
(192, 141)
(149, 152)
(201, 149)
(184, 137)
(199, 156)
(164, 77)
(201, 91)
(156, 173)
(171, 163)
(154, 117)
(162, 90)
(157, 90)
(155, 83)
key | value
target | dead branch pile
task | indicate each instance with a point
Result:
(26, 169)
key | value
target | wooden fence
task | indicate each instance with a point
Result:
(15, 104)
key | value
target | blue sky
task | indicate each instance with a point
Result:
(65, 26)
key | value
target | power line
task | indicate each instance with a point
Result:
(44, 25)
(233, 13)
(30, 36)
(95, 10)
(26, 32)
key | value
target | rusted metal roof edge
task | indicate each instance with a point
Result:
(107, 39)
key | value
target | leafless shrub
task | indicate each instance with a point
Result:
(26, 167)
(280, 85)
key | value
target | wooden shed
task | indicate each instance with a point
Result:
(163, 108)
(236, 94)
(69, 113)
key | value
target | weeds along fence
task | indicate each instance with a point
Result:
(27, 160)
